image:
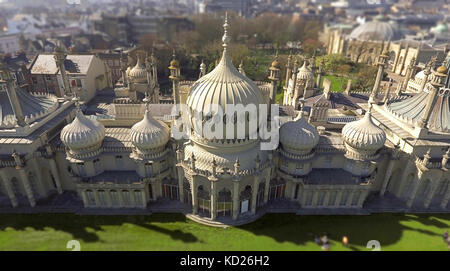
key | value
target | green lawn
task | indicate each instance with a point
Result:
(338, 83)
(175, 232)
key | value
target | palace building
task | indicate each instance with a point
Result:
(117, 152)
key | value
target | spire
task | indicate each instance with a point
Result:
(226, 38)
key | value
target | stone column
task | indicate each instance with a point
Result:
(9, 189)
(431, 193)
(40, 183)
(337, 203)
(412, 196)
(314, 199)
(119, 192)
(293, 188)
(266, 190)
(387, 176)
(133, 198)
(84, 198)
(97, 199)
(54, 171)
(254, 194)
(194, 195)
(27, 186)
(404, 176)
(108, 198)
(180, 184)
(235, 198)
(350, 199)
(213, 199)
(154, 193)
(326, 199)
(362, 198)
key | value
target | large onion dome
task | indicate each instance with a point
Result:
(223, 86)
(298, 136)
(83, 136)
(149, 135)
(362, 137)
(138, 74)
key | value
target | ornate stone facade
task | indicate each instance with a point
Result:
(386, 152)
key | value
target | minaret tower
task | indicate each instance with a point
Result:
(175, 77)
(60, 56)
(381, 65)
(274, 77)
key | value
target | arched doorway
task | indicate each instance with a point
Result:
(187, 192)
(90, 197)
(48, 178)
(204, 201)
(102, 198)
(225, 203)
(33, 185)
(442, 188)
(394, 180)
(245, 199)
(114, 198)
(277, 189)
(409, 186)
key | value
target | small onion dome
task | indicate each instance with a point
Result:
(363, 137)
(83, 135)
(149, 134)
(138, 74)
(276, 64)
(298, 136)
(174, 63)
(305, 73)
(442, 69)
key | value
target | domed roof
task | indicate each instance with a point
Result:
(305, 73)
(149, 134)
(223, 86)
(83, 134)
(298, 136)
(376, 30)
(363, 134)
(138, 74)
(34, 107)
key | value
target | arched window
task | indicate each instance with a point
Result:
(114, 198)
(90, 197)
(126, 198)
(138, 197)
(170, 189)
(277, 189)
(224, 203)
(204, 200)
(102, 198)
(245, 199)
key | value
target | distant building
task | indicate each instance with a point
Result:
(86, 74)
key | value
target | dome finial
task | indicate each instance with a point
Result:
(226, 38)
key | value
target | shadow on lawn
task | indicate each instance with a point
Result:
(387, 228)
(79, 226)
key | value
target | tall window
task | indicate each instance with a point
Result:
(224, 204)
(204, 200)
(277, 189)
(170, 189)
